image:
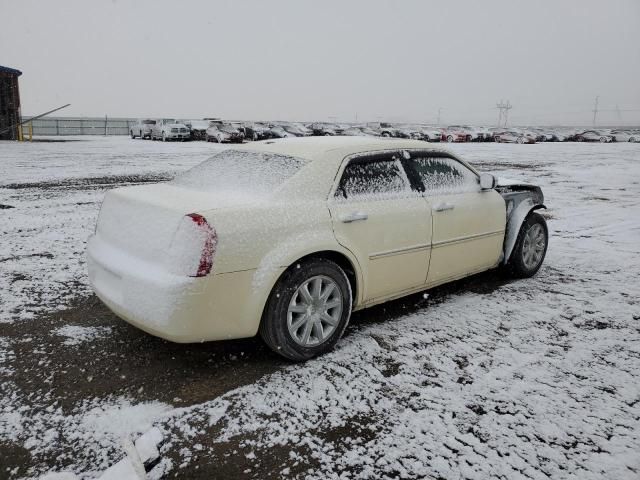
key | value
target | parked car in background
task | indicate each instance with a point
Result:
(296, 130)
(593, 136)
(513, 136)
(326, 129)
(224, 132)
(456, 133)
(167, 129)
(360, 131)
(197, 128)
(223, 251)
(430, 134)
(142, 128)
(276, 131)
(545, 135)
(256, 131)
(625, 136)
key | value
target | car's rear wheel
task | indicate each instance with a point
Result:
(450, 138)
(520, 140)
(531, 247)
(308, 310)
(603, 139)
(632, 139)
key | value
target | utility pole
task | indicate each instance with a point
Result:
(503, 112)
(595, 110)
(439, 112)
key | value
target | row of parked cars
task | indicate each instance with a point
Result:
(223, 131)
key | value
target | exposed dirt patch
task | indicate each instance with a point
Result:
(90, 182)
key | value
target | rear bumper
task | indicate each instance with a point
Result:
(176, 308)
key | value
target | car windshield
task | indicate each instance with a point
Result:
(149, 122)
(228, 128)
(236, 172)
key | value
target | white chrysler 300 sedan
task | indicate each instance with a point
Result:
(287, 237)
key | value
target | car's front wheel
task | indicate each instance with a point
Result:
(531, 247)
(308, 310)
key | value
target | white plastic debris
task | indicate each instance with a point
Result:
(59, 476)
(147, 445)
(123, 470)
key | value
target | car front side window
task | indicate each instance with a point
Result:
(444, 175)
(373, 178)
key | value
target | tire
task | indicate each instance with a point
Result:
(385, 134)
(278, 324)
(603, 139)
(450, 138)
(520, 140)
(132, 135)
(632, 139)
(520, 264)
(580, 139)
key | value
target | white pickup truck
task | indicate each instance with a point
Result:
(166, 129)
(142, 128)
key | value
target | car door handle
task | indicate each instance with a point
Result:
(354, 217)
(443, 206)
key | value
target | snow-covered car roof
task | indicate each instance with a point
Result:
(325, 155)
(320, 148)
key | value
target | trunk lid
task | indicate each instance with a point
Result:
(142, 220)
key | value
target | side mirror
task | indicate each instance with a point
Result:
(487, 181)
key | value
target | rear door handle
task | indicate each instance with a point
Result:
(354, 217)
(443, 206)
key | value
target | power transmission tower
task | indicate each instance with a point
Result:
(439, 112)
(503, 112)
(595, 110)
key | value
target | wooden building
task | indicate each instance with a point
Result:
(9, 103)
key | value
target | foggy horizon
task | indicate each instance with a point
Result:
(356, 61)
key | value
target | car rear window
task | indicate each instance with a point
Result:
(239, 171)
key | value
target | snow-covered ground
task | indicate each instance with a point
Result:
(489, 378)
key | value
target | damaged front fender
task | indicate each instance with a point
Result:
(520, 199)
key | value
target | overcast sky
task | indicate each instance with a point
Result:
(306, 60)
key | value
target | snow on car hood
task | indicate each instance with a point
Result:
(507, 182)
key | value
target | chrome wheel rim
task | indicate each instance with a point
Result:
(533, 246)
(314, 311)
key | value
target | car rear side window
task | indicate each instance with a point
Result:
(444, 175)
(371, 178)
(241, 172)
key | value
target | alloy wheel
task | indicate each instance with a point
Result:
(533, 247)
(314, 311)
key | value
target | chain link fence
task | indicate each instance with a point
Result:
(52, 126)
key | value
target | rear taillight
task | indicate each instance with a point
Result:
(209, 246)
(193, 247)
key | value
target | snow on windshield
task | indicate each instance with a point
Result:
(236, 171)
